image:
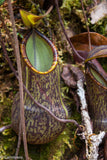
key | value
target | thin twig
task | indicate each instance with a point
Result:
(69, 41)
(17, 54)
(19, 140)
(95, 2)
(86, 21)
(5, 127)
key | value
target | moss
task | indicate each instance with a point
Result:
(7, 143)
(100, 26)
(68, 5)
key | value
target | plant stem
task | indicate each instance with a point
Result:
(17, 54)
(19, 140)
(63, 28)
(86, 21)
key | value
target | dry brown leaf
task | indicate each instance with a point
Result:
(71, 74)
(81, 43)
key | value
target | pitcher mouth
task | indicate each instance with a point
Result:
(53, 50)
(103, 85)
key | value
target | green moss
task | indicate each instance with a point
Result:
(7, 143)
(68, 4)
(100, 26)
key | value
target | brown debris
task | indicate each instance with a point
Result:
(71, 75)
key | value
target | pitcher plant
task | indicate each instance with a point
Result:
(96, 84)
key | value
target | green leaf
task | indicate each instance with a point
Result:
(98, 77)
(98, 52)
(1, 2)
(39, 52)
